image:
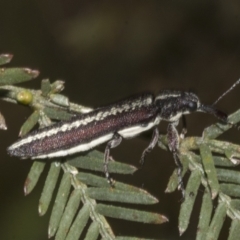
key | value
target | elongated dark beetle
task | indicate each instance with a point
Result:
(123, 119)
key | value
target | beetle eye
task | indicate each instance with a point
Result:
(192, 106)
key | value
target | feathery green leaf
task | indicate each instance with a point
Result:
(49, 187)
(33, 176)
(10, 76)
(130, 214)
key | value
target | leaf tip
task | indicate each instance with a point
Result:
(164, 218)
(234, 160)
(167, 190)
(181, 231)
(41, 211)
(6, 58)
(214, 194)
(161, 219)
(33, 73)
(154, 200)
(3, 125)
(26, 189)
(51, 231)
(20, 133)
(133, 168)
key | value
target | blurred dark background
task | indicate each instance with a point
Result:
(106, 50)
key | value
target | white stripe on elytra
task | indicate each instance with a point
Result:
(79, 148)
(136, 130)
(125, 133)
(167, 95)
(68, 126)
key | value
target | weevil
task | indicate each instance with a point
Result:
(124, 119)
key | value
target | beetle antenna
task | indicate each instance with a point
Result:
(230, 89)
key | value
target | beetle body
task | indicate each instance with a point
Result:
(123, 119)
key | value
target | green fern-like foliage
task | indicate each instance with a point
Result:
(213, 169)
(210, 162)
(76, 200)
